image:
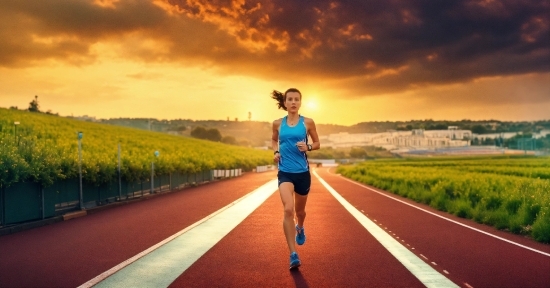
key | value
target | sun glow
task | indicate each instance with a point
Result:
(312, 105)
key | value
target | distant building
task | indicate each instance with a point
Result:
(508, 135)
(391, 140)
(87, 118)
(541, 134)
(503, 135)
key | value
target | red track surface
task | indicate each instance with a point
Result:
(338, 252)
(469, 256)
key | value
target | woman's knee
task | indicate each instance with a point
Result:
(289, 212)
(301, 214)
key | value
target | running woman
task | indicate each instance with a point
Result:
(290, 144)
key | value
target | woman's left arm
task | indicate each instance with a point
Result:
(312, 131)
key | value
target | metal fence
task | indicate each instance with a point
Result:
(29, 201)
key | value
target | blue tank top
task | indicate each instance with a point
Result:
(292, 159)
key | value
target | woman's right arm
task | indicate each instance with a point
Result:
(275, 140)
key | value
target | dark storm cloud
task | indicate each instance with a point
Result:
(369, 46)
(381, 46)
(65, 30)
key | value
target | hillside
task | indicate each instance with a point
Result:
(44, 148)
(256, 133)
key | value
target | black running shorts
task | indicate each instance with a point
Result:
(301, 181)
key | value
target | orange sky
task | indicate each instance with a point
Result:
(354, 61)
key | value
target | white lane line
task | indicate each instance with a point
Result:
(450, 220)
(420, 269)
(424, 257)
(162, 263)
(446, 272)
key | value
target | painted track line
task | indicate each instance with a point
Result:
(448, 219)
(161, 264)
(420, 269)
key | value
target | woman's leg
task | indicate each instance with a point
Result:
(286, 190)
(300, 208)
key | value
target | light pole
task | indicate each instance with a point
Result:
(502, 142)
(153, 172)
(119, 176)
(15, 124)
(79, 137)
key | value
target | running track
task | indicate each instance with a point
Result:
(339, 252)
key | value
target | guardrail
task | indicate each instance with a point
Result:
(24, 202)
(264, 168)
(226, 173)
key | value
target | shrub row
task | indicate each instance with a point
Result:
(496, 192)
(44, 148)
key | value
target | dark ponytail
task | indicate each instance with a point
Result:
(280, 97)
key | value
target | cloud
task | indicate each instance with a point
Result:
(491, 92)
(366, 47)
(66, 30)
(144, 76)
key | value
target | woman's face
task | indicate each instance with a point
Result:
(293, 101)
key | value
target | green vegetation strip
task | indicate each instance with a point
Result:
(44, 148)
(509, 193)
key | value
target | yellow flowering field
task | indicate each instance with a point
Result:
(44, 148)
(509, 193)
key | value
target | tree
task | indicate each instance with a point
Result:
(199, 132)
(339, 154)
(33, 105)
(229, 140)
(210, 134)
(479, 129)
(321, 154)
(213, 135)
(358, 153)
(244, 142)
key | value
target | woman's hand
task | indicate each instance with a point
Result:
(276, 157)
(302, 146)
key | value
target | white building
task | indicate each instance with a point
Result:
(87, 118)
(508, 135)
(391, 140)
(541, 134)
(504, 135)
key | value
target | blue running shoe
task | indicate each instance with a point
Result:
(294, 260)
(300, 235)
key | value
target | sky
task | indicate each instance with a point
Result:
(353, 61)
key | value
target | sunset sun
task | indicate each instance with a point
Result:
(312, 104)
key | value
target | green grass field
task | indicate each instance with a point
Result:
(44, 148)
(509, 193)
